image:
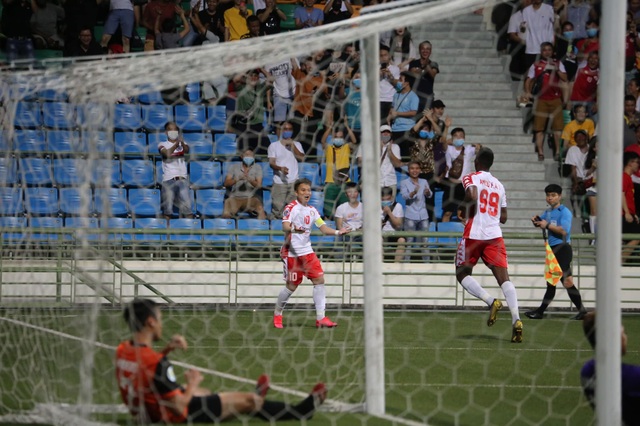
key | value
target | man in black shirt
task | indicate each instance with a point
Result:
(270, 18)
(425, 71)
(333, 11)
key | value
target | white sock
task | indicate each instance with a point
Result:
(320, 299)
(283, 297)
(509, 291)
(475, 289)
(592, 224)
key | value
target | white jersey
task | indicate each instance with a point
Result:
(485, 224)
(174, 165)
(300, 217)
(351, 216)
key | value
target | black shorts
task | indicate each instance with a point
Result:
(629, 228)
(205, 409)
(564, 255)
(391, 239)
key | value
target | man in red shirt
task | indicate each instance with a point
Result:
(549, 103)
(630, 223)
(585, 87)
(150, 391)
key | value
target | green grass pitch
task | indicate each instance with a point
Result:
(442, 368)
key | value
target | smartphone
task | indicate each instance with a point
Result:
(383, 65)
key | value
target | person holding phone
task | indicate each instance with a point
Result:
(175, 181)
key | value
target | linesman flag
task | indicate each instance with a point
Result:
(552, 270)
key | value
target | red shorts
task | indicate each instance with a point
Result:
(492, 252)
(295, 268)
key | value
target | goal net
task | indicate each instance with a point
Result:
(86, 225)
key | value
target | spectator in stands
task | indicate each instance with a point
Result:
(633, 89)
(350, 214)
(580, 180)
(308, 16)
(352, 104)
(244, 182)
(235, 20)
(84, 45)
(255, 29)
(280, 91)
(165, 31)
(401, 46)
(581, 122)
(566, 50)
(389, 159)
(538, 25)
(636, 176)
(402, 113)
(47, 24)
(425, 71)
(389, 75)
(166, 9)
(631, 120)
(15, 24)
(208, 23)
(337, 10)
(591, 43)
(270, 18)
(459, 158)
(250, 109)
(547, 73)
(577, 12)
(630, 221)
(633, 7)
(517, 43)
(175, 183)
(500, 16)
(392, 216)
(78, 15)
(585, 87)
(283, 158)
(310, 86)
(591, 166)
(338, 142)
(632, 44)
(415, 191)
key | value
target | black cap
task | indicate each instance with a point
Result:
(438, 104)
(581, 132)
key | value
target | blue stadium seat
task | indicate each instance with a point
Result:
(226, 144)
(11, 201)
(51, 95)
(437, 201)
(76, 201)
(324, 240)
(28, 115)
(317, 201)
(154, 139)
(323, 172)
(267, 174)
(354, 174)
(29, 141)
(94, 116)
(320, 153)
(44, 222)
(106, 173)
(226, 166)
(276, 225)
(273, 138)
(219, 224)
(191, 224)
(450, 242)
(41, 201)
(400, 200)
(200, 144)
(210, 202)
(36, 171)
(97, 141)
(8, 171)
(432, 242)
(111, 202)
(205, 174)
(193, 93)
(253, 241)
(18, 222)
(79, 225)
(266, 201)
(138, 173)
(65, 142)
(152, 97)
(402, 175)
(310, 171)
(130, 144)
(70, 171)
(191, 117)
(5, 141)
(59, 115)
(159, 173)
(144, 202)
(154, 117)
(120, 223)
(217, 118)
(127, 117)
(150, 223)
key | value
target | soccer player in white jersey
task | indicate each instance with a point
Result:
(297, 254)
(483, 210)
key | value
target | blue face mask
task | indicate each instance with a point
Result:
(338, 141)
(387, 203)
(592, 32)
(399, 86)
(458, 142)
(248, 161)
(356, 83)
(568, 35)
(286, 134)
(426, 135)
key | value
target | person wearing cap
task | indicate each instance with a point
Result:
(581, 122)
(576, 157)
(389, 159)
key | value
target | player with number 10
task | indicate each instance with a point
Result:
(483, 210)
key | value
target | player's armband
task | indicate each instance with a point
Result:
(319, 222)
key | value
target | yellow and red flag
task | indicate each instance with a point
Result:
(552, 270)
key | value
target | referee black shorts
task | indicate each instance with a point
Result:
(564, 255)
(205, 409)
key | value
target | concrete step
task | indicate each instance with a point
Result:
(443, 58)
(506, 145)
(457, 102)
(494, 95)
(523, 166)
(482, 73)
(480, 121)
(491, 86)
(449, 43)
(487, 113)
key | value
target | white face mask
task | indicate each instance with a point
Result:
(173, 135)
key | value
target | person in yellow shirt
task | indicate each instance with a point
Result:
(235, 21)
(338, 142)
(580, 122)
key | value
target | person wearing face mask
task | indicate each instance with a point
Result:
(589, 44)
(459, 158)
(565, 49)
(338, 142)
(283, 158)
(577, 12)
(175, 183)
(389, 159)
(243, 181)
(401, 116)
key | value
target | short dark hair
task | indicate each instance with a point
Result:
(589, 328)
(301, 181)
(168, 123)
(252, 18)
(592, 21)
(408, 77)
(545, 44)
(553, 188)
(579, 106)
(385, 47)
(629, 98)
(629, 156)
(484, 157)
(565, 23)
(386, 191)
(137, 312)
(413, 162)
(350, 185)
(458, 129)
(636, 80)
